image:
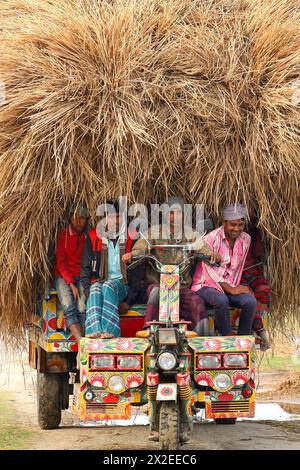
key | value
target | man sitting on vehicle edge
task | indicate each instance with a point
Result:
(69, 250)
(104, 276)
(221, 286)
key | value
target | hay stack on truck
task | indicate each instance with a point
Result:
(140, 98)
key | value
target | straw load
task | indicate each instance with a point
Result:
(144, 98)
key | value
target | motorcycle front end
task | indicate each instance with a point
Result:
(169, 390)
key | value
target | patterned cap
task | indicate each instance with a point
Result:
(234, 212)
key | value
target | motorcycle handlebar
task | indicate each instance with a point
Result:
(137, 258)
(206, 259)
(198, 256)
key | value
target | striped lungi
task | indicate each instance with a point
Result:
(102, 312)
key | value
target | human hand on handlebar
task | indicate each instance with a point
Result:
(127, 258)
(215, 257)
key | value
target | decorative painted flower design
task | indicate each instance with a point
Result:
(52, 323)
(95, 345)
(111, 398)
(57, 336)
(83, 375)
(183, 379)
(243, 343)
(83, 359)
(226, 396)
(134, 380)
(240, 378)
(124, 345)
(204, 379)
(98, 380)
(152, 379)
(74, 347)
(212, 344)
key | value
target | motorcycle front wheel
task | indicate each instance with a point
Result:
(169, 426)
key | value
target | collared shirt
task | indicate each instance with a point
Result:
(232, 264)
(114, 265)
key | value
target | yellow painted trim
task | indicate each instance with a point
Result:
(142, 334)
(201, 396)
(136, 397)
(190, 334)
(131, 313)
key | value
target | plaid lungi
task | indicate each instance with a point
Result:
(102, 312)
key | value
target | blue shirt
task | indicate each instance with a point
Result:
(114, 265)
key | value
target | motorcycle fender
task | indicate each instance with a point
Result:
(166, 392)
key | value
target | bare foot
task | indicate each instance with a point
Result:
(106, 335)
(94, 335)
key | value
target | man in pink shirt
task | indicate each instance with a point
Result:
(220, 286)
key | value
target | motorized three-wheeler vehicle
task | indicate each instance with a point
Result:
(175, 371)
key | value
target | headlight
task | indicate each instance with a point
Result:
(116, 384)
(129, 362)
(209, 361)
(235, 360)
(222, 382)
(106, 362)
(167, 336)
(167, 361)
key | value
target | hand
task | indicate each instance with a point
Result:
(75, 291)
(127, 258)
(124, 307)
(215, 257)
(240, 290)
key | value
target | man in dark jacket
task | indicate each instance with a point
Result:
(191, 309)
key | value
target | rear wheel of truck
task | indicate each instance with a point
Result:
(51, 399)
(169, 424)
(225, 420)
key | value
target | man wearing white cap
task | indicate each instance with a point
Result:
(219, 286)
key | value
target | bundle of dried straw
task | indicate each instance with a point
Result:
(144, 98)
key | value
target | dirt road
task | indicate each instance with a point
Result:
(18, 380)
